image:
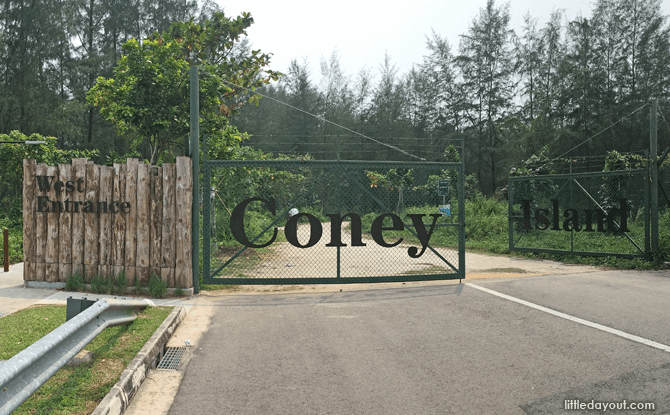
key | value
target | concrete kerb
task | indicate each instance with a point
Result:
(87, 287)
(119, 397)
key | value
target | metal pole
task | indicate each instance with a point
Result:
(653, 154)
(6, 249)
(572, 231)
(195, 158)
(461, 214)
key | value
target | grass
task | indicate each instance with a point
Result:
(101, 285)
(77, 390)
(75, 282)
(178, 291)
(157, 287)
(120, 283)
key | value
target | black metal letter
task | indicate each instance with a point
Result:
(237, 222)
(291, 230)
(376, 229)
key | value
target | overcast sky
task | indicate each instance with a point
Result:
(361, 31)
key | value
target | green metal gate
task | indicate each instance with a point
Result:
(591, 214)
(332, 222)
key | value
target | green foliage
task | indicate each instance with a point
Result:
(157, 287)
(617, 161)
(533, 166)
(178, 291)
(11, 168)
(15, 228)
(78, 389)
(137, 285)
(101, 285)
(75, 282)
(394, 179)
(121, 283)
(148, 97)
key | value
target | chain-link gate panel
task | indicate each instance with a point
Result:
(595, 214)
(302, 222)
(664, 208)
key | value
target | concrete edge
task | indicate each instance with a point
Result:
(119, 397)
(186, 292)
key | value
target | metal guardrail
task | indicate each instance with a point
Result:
(24, 373)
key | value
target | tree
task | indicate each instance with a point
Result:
(487, 68)
(438, 70)
(148, 97)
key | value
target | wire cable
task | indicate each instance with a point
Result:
(330, 122)
(595, 135)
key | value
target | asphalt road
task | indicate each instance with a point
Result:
(440, 349)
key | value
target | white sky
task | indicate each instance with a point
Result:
(361, 31)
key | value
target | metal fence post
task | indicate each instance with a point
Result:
(5, 245)
(207, 216)
(653, 154)
(195, 158)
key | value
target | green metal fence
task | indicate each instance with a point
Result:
(309, 221)
(595, 214)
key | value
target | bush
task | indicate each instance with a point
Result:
(75, 282)
(101, 285)
(121, 283)
(178, 291)
(157, 287)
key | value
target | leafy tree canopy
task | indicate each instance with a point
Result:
(11, 168)
(148, 98)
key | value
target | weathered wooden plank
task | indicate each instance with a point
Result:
(52, 272)
(168, 235)
(119, 219)
(64, 271)
(131, 217)
(40, 230)
(184, 196)
(91, 221)
(53, 206)
(40, 271)
(130, 275)
(143, 273)
(78, 233)
(29, 271)
(29, 210)
(143, 232)
(183, 277)
(156, 216)
(105, 215)
(167, 275)
(117, 269)
(105, 271)
(65, 223)
(154, 271)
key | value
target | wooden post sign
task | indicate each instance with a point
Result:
(98, 220)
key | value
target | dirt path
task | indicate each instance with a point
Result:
(319, 261)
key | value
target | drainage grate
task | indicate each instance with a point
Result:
(172, 358)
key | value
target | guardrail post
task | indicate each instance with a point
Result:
(25, 372)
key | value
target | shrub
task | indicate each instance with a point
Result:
(98, 284)
(178, 291)
(75, 282)
(157, 287)
(121, 283)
